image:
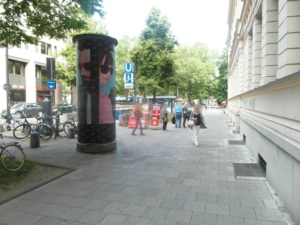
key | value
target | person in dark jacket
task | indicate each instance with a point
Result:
(199, 121)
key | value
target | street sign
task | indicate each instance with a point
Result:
(51, 84)
(6, 86)
(129, 68)
(128, 78)
(128, 85)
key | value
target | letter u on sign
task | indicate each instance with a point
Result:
(129, 68)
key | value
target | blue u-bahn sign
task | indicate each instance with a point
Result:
(129, 68)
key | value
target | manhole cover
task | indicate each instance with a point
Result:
(235, 131)
(236, 142)
(247, 170)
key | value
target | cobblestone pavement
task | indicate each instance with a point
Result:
(160, 178)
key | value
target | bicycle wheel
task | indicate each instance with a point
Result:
(22, 131)
(66, 126)
(16, 123)
(45, 131)
(12, 157)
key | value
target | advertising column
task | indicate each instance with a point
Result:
(96, 82)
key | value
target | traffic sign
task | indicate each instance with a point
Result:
(51, 84)
(6, 86)
(128, 78)
(128, 85)
(129, 68)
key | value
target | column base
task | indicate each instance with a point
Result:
(96, 148)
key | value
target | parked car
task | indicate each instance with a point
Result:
(63, 108)
(27, 108)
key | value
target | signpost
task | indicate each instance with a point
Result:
(51, 84)
(129, 78)
(51, 75)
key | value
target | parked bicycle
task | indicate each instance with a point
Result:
(12, 156)
(55, 126)
(23, 130)
(71, 123)
(10, 124)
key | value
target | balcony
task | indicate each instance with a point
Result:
(41, 83)
(17, 80)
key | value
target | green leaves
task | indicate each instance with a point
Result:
(52, 18)
(153, 55)
(194, 67)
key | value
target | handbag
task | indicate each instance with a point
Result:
(173, 119)
(191, 123)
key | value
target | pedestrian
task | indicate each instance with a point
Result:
(186, 113)
(166, 120)
(178, 113)
(138, 113)
(199, 121)
(164, 110)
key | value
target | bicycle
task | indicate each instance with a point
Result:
(55, 126)
(12, 156)
(70, 123)
(13, 123)
(23, 130)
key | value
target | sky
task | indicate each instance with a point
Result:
(191, 20)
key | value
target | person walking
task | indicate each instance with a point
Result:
(186, 113)
(199, 121)
(178, 113)
(164, 111)
(166, 120)
(138, 113)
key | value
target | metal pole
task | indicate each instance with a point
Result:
(51, 72)
(134, 89)
(7, 89)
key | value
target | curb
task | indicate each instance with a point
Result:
(36, 186)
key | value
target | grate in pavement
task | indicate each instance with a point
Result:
(236, 142)
(236, 131)
(248, 170)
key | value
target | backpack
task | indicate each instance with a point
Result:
(188, 114)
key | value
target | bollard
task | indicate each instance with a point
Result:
(34, 140)
(1, 128)
(71, 133)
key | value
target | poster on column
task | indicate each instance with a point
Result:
(96, 91)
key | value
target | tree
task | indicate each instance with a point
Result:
(220, 82)
(194, 69)
(52, 18)
(153, 55)
(122, 56)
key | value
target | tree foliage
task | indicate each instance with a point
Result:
(52, 18)
(153, 55)
(194, 71)
(123, 49)
(220, 82)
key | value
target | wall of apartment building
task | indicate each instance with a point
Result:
(264, 89)
(28, 84)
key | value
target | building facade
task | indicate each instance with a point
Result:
(264, 89)
(27, 72)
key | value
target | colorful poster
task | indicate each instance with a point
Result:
(96, 88)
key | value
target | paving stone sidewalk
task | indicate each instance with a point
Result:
(159, 179)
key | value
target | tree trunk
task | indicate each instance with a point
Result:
(154, 97)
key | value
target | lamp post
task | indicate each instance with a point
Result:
(7, 88)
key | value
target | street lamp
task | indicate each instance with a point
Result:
(7, 88)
